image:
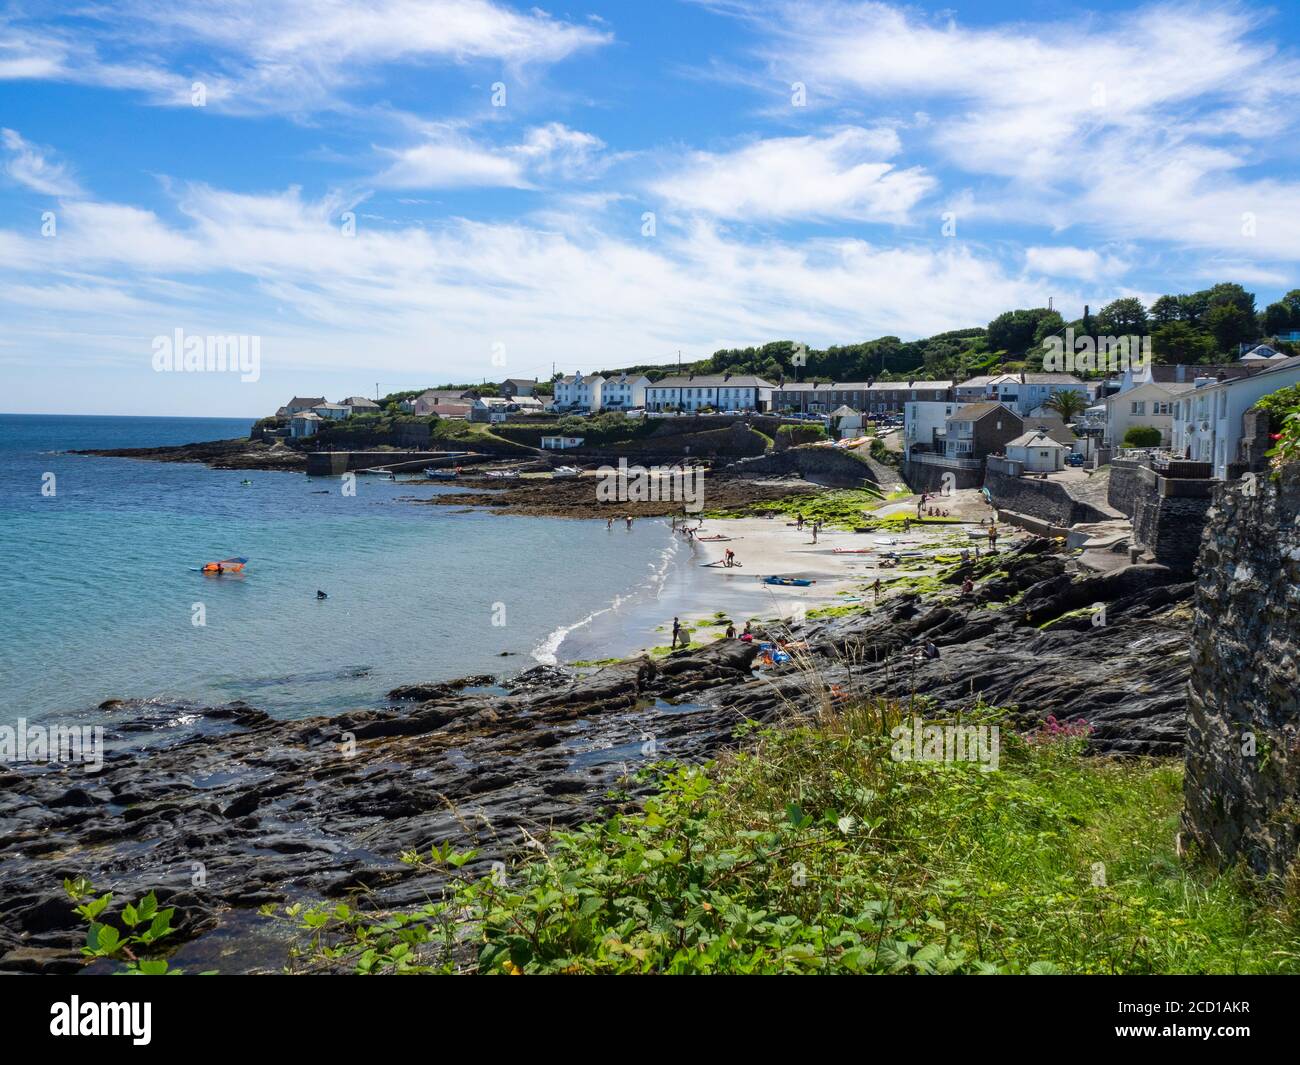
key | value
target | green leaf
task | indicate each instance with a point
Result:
(105, 939)
(148, 906)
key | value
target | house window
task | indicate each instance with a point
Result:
(1138, 406)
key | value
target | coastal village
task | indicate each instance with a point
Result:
(1089, 574)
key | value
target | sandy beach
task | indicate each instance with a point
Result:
(842, 565)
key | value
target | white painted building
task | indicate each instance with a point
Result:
(721, 392)
(624, 391)
(577, 391)
(1150, 404)
(332, 411)
(1207, 420)
(561, 443)
(1022, 392)
(304, 423)
(923, 423)
(1037, 452)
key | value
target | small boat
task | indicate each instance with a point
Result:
(715, 539)
(853, 550)
(442, 475)
(565, 471)
(503, 475)
(797, 582)
(226, 565)
(245, 482)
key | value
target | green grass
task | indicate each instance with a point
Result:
(814, 851)
(840, 508)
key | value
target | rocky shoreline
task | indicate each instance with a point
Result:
(230, 809)
(237, 454)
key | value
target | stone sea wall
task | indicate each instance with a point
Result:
(1049, 501)
(1243, 708)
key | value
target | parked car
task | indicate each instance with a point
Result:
(1074, 459)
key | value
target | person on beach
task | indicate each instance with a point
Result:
(731, 630)
(798, 522)
(629, 521)
(609, 524)
(677, 631)
(967, 586)
(748, 634)
(729, 559)
(875, 591)
(993, 537)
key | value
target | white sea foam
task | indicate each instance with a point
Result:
(546, 653)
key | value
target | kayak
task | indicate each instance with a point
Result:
(853, 550)
(226, 565)
(798, 582)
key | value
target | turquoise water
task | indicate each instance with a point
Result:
(99, 590)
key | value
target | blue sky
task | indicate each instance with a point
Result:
(819, 171)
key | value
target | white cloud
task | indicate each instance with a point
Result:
(30, 165)
(448, 164)
(556, 150)
(278, 266)
(1150, 123)
(839, 174)
(1083, 264)
(280, 55)
(449, 159)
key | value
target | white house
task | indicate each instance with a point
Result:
(845, 422)
(576, 391)
(623, 391)
(1022, 392)
(1026, 391)
(1149, 404)
(1207, 421)
(1037, 452)
(333, 411)
(720, 391)
(304, 423)
(923, 423)
(561, 443)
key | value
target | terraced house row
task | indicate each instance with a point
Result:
(867, 397)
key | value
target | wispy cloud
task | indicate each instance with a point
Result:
(840, 174)
(1137, 123)
(33, 167)
(279, 55)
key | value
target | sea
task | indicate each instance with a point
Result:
(102, 597)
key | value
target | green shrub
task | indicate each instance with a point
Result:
(1142, 436)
